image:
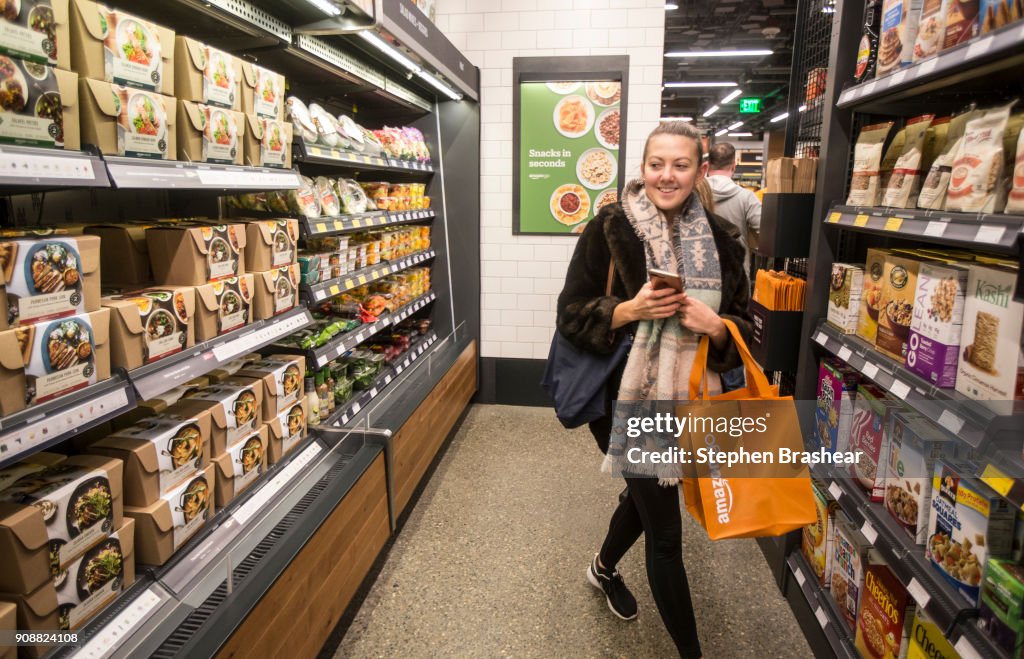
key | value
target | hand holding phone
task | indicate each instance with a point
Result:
(665, 279)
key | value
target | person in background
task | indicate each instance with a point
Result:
(660, 223)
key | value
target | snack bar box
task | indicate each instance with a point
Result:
(47, 113)
(124, 256)
(64, 510)
(195, 254)
(124, 121)
(268, 142)
(287, 429)
(47, 360)
(150, 324)
(206, 75)
(240, 466)
(262, 92)
(159, 453)
(210, 134)
(276, 291)
(223, 306)
(884, 615)
(991, 365)
(235, 406)
(46, 278)
(282, 378)
(271, 244)
(163, 527)
(37, 31)
(1002, 606)
(115, 46)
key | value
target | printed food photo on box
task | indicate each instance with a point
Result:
(991, 364)
(837, 389)
(851, 554)
(816, 542)
(845, 288)
(96, 578)
(884, 615)
(277, 291)
(896, 307)
(934, 339)
(262, 92)
(206, 75)
(47, 279)
(271, 244)
(223, 306)
(36, 31)
(39, 106)
(268, 142)
(123, 121)
(195, 254)
(282, 377)
(150, 324)
(871, 297)
(240, 466)
(914, 448)
(287, 429)
(869, 434)
(236, 410)
(1002, 606)
(210, 134)
(163, 527)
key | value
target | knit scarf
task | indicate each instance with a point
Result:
(661, 359)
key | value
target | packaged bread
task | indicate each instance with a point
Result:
(867, 158)
(979, 163)
(905, 179)
(936, 183)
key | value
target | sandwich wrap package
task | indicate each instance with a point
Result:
(867, 160)
(936, 183)
(905, 180)
(979, 162)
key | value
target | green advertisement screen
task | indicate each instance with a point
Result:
(568, 153)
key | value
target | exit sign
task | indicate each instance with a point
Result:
(750, 105)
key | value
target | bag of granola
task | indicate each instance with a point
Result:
(933, 190)
(867, 157)
(978, 165)
(905, 180)
(888, 164)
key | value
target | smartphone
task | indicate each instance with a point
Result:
(665, 279)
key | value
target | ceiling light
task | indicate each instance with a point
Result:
(326, 7)
(741, 134)
(735, 125)
(684, 119)
(779, 118)
(700, 84)
(710, 111)
(718, 53)
(669, 6)
(732, 96)
(801, 108)
(440, 86)
(722, 132)
(386, 48)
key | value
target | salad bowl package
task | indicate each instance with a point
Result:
(276, 291)
(37, 31)
(268, 143)
(194, 254)
(123, 121)
(206, 75)
(282, 381)
(163, 527)
(150, 324)
(40, 105)
(210, 134)
(270, 244)
(240, 466)
(235, 405)
(287, 429)
(124, 257)
(223, 306)
(262, 92)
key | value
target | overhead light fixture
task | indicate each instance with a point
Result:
(710, 111)
(722, 132)
(326, 7)
(718, 53)
(700, 84)
(778, 118)
(732, 95)
(801, 108)
(735, 125)
(684, 119)
(440, 86)
(741, 134)
(391, 52)
(669, 6)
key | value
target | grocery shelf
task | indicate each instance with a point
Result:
(315, 227)
(991, 232)
(177, 175)
(337, 286)
(1001, 51)
(824, 607)
(324, 155)
(973, 421)
(36, 167)
(42, 426)
(163, 375)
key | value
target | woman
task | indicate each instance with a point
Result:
(661, 224)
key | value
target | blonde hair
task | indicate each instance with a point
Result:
(685, 129)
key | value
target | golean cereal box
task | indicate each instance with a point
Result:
(871, 296)
(990, 366)
(845, 288)
(937, 320)
(837, 388)
(884, 615)
(899, 280)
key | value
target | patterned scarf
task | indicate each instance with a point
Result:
(661, 359)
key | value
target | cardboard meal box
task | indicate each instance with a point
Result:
(240, 466)
(41, 108)
(44, 361)
(934, 341)
(223, 306)
(206, 75)
(968, 523)
(55, 516)
(884, 615)
(871, 295)
(228, 369)
(195, 254)
(869, 434)
(991, 364)
(124, 256)
(163, 527)
(816, 538)
(268, 142)
(851, 554)
(123, 121)
(48, 278)
(150, 324)
(36, 31)
(235, 409)
(271, 244)
(927, 640)
(847, 284)
(262, 92)
(287, 429)
(914, 447)
(117, 47)
(30, 465)
(158, 404)
(8, 623)
(282, 377)
(210, 134)
(896, 308)
(158, 454)
(837, 389)
(1002, 606)
(276, 291)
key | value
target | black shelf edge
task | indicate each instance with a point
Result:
(160, 376)
(315, 227)
(824, 608)
(1001, 49)
(325, 155)
(133, 173)
(38, 167)
(972, 421)
(993, 232)
(42, 426)
(325, 289)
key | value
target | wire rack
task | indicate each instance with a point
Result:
(810, 68)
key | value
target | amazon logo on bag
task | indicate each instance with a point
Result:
(721, 490)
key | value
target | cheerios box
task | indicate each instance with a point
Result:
(240, 466)
(884, 615)
(123, 121)
(44, 361)
(968, 523)
(991, 364)
(235, 405)
(192, 254)
(837, 389)
(934, 339)
(163, 527)
(851, 555)
(869, 434)
(43, 279)
(203, 74)
(282, 377)
(210, 134)
(287, 429)
(277, 291)
(223, 306)
(150, 324)
(262, 92)
(36, 31)
(40, 106)
(915, 444)
(871, 294)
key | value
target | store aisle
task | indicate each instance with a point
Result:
(492, 561)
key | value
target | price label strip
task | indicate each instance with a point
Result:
(259, 338)
(870, 370)
(869, 532)
(819, 613)
(800, 578)
(935, 229)
(844, 354)
(900, 389)
(821, 338)
(951, 422)
(926, 67)
(979, 47)
(893, 224)
(966, 650)
(117, 630)
(989, 233)
(835, 490)
(918, 592)
(262, 496)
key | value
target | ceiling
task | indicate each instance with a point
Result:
(729, 25)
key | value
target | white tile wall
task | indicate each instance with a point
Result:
(523, 275)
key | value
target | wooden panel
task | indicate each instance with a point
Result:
(321, 581)
(416, 444)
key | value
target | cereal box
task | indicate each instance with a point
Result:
(884, 615)
(899, 280)
(968, 523)
(844, 293)
(1002, 606)
(914, 446)
(937, 320)
(851, 553)
(991, 365)
(927, 641)
(869, 435)
(871, 295)
(837, 387)
(816, 542)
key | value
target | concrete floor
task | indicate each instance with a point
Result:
(492, 560)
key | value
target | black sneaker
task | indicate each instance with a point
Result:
(620, 600)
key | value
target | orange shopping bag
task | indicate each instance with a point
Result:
(754, 498)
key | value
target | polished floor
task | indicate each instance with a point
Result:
(491, 562)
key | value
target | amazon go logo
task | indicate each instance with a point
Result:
(721, 490)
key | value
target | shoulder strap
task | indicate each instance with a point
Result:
(611, 275)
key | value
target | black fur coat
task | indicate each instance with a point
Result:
(585, 313)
